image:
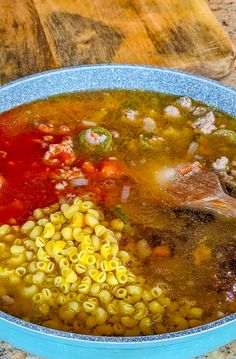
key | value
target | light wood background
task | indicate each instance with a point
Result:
(37, 35)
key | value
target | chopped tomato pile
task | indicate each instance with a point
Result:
(25, 181)
(37, 168)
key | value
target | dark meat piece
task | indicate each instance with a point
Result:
(226, 263)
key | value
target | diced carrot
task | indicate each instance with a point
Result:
(110, 169)
(12, 221)
(162, 251)
(67, 158)
(186, 170)
(202, 254)
(3, 154)
(37, 140)
(48, 138)
(88, 167)
(2, 181)
(42, 127)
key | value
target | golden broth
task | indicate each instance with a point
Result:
(192, 253)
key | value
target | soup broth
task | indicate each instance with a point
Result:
(92, 239)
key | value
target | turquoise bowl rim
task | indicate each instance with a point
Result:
(124, 77)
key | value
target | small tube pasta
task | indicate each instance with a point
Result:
(29, 291)
(17, 249)
(25, 228)
(38, 278)
(36, 232)
(106, 251)
(119, 293)
(67, 233)
(129, 322)
(40, 242)
(95, 242)
(68, 261)
(111, 279)
(56, 247)
(42, 255)
(100, 315)
(21, 271)
(38, 298)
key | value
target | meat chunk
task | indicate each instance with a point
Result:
(199, 111)
(131, 114)
(205, 124)
(149, 124)
(172, 111)
(185, 102)
(60, 153)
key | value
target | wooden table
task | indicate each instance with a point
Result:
(37, 35)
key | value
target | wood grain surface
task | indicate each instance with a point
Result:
(37, 35)
(23, 45)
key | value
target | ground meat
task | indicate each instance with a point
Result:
(185, 102)
(205, 124)
(60, 186)
(149, 124)
(131, 114)
(226, 258)
(172, 111)
(199, 111)
(60, 153)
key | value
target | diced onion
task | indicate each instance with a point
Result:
(115, 134)
(125, 193)
(76, 182)
(192, 148)
(89, 123)
(165, 175)
(131, 114)
(7, 300)
(149, 124)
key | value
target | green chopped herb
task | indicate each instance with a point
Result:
(147, 141)
(227, 134)
(120, 213)
(129, 229)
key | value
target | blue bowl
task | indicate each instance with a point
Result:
(58, 344)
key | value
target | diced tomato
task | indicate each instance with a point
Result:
(88, 167)
(110, 169)
(186, 170)
(44, 128)
(10, 211)
(25, 182)
(3, 154)
(2, 181)
(28, 172)
(65, 158)
(162, 251)
(64, 130)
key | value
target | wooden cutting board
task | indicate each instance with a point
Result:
(37, 35)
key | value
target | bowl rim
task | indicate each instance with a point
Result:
(108, 339)
(216, 86)
(155, 338)
(67, 69)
